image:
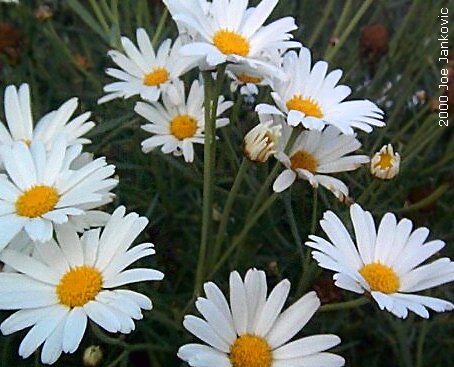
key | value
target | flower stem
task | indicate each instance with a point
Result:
(160, 27)
(344, 305)
(228, 207)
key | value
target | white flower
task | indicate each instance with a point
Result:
(310, 97)
(385, 163)
(247, 79)
(261, 141)
(386, 264)
(316, 153)
(74, 280)
(142, 72)
(234, 33)
(19, 118)
(42, 190)
(253, 332)
(179, 122)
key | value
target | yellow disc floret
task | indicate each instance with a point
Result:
(305, 105)
(249, 79)
(183, 126)
(37, 201)
(157, 76)
(231, 43)
(250, 351)
(386, 161)
(303, 160)
(79, 285)
(380, 278)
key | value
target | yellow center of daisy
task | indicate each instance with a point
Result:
(305, 105)
(28, 142)
(79, 286)
(37, 201)
(385, 162)
(380, 277)
(248, 79)
(156, 77)
(231, 43)
(250, 351)
(183, 126)
(303, 160)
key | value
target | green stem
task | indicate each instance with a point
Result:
(160, 27)
(100, 16)
(426, 201)
(321, 24)
(344, 305)
(420, 344)
(228, 207)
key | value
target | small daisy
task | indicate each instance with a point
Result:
(246, 78)
(41, 189)
(385, 263)
(253, 332)
(311, 98)
(19, 118)
(385, 163)
(316, 153)
(235, 33)
(73, 280)
(179, 122)
(142, 72)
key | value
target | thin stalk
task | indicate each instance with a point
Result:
(321, 24)
(228, 207)
(100, 16)
(426, 201)
(160, 27)
(344, 305)
(420, 344)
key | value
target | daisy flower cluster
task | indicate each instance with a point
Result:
(66, 261)
(61, 268)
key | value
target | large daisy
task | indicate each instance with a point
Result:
(252, 331)
(179, 122)
(385, 263)
(73, 280)
(310, 97)
(40, 189)
(142, 72)
(233, 32)
(314, 154)
(19, 119)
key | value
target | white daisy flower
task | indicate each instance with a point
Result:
(179, 122)
(235, 33)
(311, 98)
(42, 190)
(386, 264)
(142, 72)
(74, 280)
(18, 115)
(385, 163)
(315, 154)
(253, 332)
(261, 141)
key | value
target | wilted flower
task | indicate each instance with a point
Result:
(261, 142)
(92, 356)
(385, 163)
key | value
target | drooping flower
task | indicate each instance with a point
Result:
(144, 72)
(309, 96)
(19, 119)
(180, 121)
(230, 31)
(385, 263)
(40, 189)
(385, 163)
(73, 280)
(261, 142)
(315, 154)
(252, 331)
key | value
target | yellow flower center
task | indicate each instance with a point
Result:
(79, 286)
(385, 162)
(250, 351)
(248, 79)
(156, 77)
(380, 277)
(305, 105)
(37, 201)
(231, 43)
(183, 126)
(303, 160)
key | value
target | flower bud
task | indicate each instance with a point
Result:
(385, 163)
(92, 356)
(261, 141)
